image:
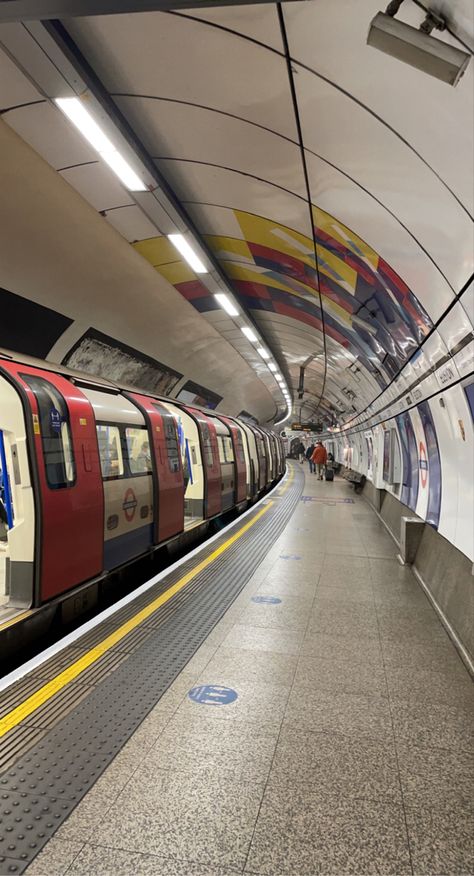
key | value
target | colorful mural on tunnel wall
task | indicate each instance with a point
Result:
(368, 309)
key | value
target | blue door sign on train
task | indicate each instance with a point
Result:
(266, 600)
(212, 695)
(55, 420)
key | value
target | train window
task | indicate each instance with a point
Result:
(206, 444)
(110, 450)
(220, 444)
(172, 447)
(55, 432)
(138, 450)
(228, 448)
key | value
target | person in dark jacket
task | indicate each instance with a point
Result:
(301, 451)
(309, 454)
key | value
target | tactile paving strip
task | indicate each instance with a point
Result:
(42, 788)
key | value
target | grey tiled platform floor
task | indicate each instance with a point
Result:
(348, 751)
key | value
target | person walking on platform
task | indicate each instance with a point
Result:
(301, 451)
(309, 454)
(319, 458)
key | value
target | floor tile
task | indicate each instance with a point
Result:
(451, 688)
(251, 764)
(352, 715)
(264, 702)
(201, 730)
(102, 861)
(436, 776)
(436, 654)
(336, 766)
(298, 835)
(253, 638)
(441, 841)
(342, 648)
(334, 619)
(298, 587)
(261, 667)
(281, 616)
(431, 725)
(340, 675)
(198, 818)
(338, 591)
(55, 858)
(358, 566)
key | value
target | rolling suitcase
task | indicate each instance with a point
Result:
(329, 474)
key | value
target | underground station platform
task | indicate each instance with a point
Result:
(283, 702)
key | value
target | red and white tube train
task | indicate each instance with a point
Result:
(94, 476)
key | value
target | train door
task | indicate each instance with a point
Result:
(126, 473)
(227, 463)
(210, 461)
(250, 446)
(17, 506)
(266, 457)
(61, 437)
(191, 463)
(262, 457)
(166, 467)
(239, 461)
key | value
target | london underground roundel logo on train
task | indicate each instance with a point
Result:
(129, 504)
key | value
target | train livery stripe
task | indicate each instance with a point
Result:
(38, 699)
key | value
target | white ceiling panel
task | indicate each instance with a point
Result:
(259, 22)
(98, 185)
(331, 39)
(48, 132)
(360, 212)
(181, 58)
(15, 88)
(131, 223)
(201, 185)
(169, 129)
(342, 132)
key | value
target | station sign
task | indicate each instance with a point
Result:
(306, 427)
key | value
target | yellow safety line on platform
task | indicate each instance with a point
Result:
(16, 619)
(38, 699)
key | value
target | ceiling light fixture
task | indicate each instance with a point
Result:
(249, 334)
(74, 109)
(224, 301)
(183, 247)
(263, 353)
(272, 366)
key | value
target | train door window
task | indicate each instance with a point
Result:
(138, 450)
(228, 449)
(110, 451)
(206, 444)
(55, 432)
(172, 448)
(220, 444)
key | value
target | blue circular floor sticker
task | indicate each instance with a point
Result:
(266, 600)
(212, 695)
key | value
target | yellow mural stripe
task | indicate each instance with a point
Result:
(41, 696)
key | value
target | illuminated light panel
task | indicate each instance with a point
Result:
(263, 353)
(74, 109)
(249, 334)
(224, 301)
(272, 366)
(183, 247)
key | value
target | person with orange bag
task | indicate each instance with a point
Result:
(319, 458)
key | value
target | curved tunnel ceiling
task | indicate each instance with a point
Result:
(332, 183)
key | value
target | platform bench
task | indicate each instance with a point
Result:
(355, 478)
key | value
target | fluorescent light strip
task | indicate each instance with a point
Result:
(249, 334)
(263, 353)
(74, 109)
(226, 304)
(183, 247)
(272, 366)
